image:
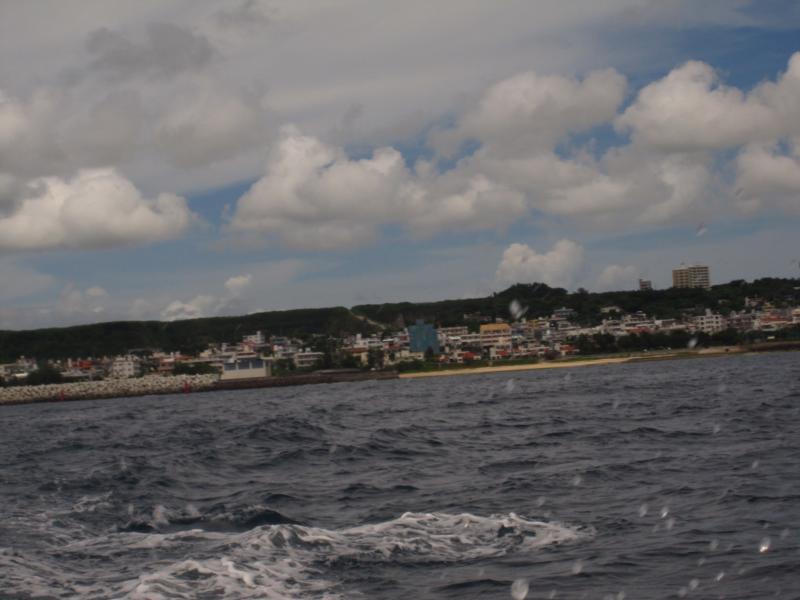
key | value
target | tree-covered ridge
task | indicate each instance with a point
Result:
(188, 336)
(542, 300)
(193, 335)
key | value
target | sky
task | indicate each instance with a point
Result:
(184, 158)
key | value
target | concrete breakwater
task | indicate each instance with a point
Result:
(108, 388)
(159, 384)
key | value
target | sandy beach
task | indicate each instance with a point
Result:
(527, 367)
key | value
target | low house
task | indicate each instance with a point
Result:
(245, 367)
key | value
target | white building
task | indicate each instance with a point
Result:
(125, 367)
(248, 366)
(256, 339)
(709, 322)
(308, 359)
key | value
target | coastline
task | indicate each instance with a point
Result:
(512, 368)
(193, 384)
(588, 362)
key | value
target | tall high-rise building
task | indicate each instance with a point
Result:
(645, 285)
(691, 276)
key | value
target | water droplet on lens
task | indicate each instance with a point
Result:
(160, 516)
(716, 428)
(519, 589)
(719, 576)
(615, 404)
(713, 544)
(510, 386)
(577, 480)
(682, 592)
(517, 310)
(764, 546)
(755, 464)
(664, 512)
(692, 343)
(552, 594)
(722, 388)
(670, 524)
(577, 567)
(701, 561)
(643, 510)
(784, 534)
(693, 584)
(540, 501)
(621, 595)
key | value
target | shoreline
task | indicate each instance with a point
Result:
(196, 384)
(588, 362)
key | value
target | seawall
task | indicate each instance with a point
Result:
(108, 388)
(159, 384)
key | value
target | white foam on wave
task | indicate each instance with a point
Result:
(293, 561)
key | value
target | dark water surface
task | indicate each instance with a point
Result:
(662, 480)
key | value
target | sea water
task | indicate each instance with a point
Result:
(659, 480)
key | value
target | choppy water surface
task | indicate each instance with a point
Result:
(662, 480)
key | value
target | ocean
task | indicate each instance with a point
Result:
(656, 480)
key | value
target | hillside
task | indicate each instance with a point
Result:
(189, 336)
(542, 300)
(192, 335)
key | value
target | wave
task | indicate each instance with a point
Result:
(283, 560)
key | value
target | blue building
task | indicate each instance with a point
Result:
(423, 336)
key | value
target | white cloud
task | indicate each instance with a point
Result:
(313, 196)
(307, 62)
(558, 267)
(617, 277)
(768, 178)
(691, 109)
(231, 301)
(211, 125)
(527, 112)
(197, 307)
(78, 305)
(237, 284)
(95, 209)
(96, 292)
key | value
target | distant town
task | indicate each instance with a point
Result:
(483, 338)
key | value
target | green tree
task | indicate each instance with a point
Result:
(194, 369)
(45, 373)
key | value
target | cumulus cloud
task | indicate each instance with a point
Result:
(617, 277)
(313, 196)
(691, 109)
(558, 267)
(94, 209)
(231, 301)
(237, 284)
(75, 302)
(197, 307)
(530, 111)
(768, 178)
